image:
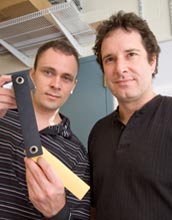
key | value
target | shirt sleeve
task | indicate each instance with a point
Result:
(63, 214)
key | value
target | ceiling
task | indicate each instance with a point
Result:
(26, 24)
(12, 9)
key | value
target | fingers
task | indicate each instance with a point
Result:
(42, 169)
(4, 79)
(7, 101)
(45, 188)
(49, 171)
(7, 97)
(42, 176)
(4, 91)
(33, 176)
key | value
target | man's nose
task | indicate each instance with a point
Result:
(121, 66)
(56, 82)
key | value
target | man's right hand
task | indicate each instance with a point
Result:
(7, 97)
(45, 188)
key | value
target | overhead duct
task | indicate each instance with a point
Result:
(22, 36)
(78, 3)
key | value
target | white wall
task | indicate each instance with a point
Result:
(156, 12)
(96, 10)
(163, 80)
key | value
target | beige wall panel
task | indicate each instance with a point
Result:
(158, 17)
(10, 64)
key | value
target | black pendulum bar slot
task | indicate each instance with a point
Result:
(23, 85)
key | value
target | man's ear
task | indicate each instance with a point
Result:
(153, 63)
(31, 72)
(71, 92)
(32, 83)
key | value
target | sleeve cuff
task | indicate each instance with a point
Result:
(63, 214)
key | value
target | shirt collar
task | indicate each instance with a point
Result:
(153, 102)
(62, 129)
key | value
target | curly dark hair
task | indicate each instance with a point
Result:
(127, 21)
(60, 45)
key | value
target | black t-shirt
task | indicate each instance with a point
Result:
(132, 165)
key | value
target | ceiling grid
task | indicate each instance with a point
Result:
(27, 32)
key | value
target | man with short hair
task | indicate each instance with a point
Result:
(30, 190)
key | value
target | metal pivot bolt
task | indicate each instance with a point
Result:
(20, 80)
(33, 149)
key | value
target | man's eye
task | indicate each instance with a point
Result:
(132, 54)
(48, 72)
(67, 78)
(108, 60)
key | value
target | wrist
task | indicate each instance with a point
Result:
(63, 214)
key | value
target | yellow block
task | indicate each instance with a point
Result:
(70, 180)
